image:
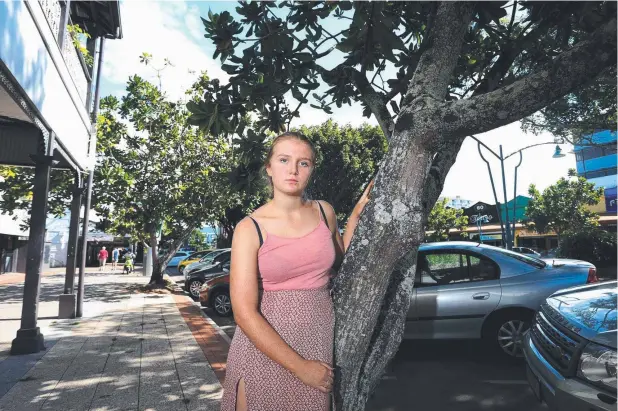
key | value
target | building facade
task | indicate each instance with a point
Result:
(595, 158)
(49, 91)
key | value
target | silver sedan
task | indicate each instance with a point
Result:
(468, 290)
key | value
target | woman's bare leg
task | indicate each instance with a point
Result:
(241, 397)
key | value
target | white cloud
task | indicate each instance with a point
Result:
(171, 30)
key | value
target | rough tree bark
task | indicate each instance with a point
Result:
(371, 299)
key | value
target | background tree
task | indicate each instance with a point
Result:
(347, 158)
(17, 183)
(564, 206)
(431, 74)
(156, 176)
(590, 244)
(443, 219)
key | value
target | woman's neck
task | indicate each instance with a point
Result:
(287, 204)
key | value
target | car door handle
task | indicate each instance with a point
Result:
(480, 296)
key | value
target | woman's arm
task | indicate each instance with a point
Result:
(244, 294)
(355, 216)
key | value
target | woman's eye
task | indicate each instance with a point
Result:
(304, 164)
(283, 160)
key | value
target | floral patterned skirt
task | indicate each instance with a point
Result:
(305, 321)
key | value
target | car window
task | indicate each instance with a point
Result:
(208, 257)
(179, 255)
(482, 269)
(443, 268)
(535, 262)
(222, 257)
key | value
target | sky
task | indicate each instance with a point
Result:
(173, 30)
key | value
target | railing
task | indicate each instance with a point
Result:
(73, 58)
(76, 65)
(53, 12)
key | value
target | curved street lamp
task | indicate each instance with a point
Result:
(508, 230)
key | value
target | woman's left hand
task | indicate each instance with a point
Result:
(360, 206)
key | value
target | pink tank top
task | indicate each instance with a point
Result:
(297, 263)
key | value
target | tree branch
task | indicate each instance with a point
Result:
(435, 68)
(375, 101)
(569, 70)
(510, 29)
(506, 59)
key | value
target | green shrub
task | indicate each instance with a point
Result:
(592, 245)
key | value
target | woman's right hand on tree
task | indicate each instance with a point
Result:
(317, 374)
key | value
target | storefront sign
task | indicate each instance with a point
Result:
(481, 213)
(490, 237)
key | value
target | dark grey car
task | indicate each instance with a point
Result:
(467, 290)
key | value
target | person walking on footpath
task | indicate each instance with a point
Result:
(283, 256)
(115, 256)
(102, 258)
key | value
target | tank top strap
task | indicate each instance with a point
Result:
(323, 214)
(259, 231)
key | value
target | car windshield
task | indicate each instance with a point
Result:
(210, 256)
(535, 262)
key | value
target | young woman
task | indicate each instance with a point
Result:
(282, 259)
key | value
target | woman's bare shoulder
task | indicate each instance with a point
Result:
(261, 212)
(328, 208)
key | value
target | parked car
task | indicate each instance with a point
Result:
(220, 265)
(215, 293)
(177, 258)
(468, 290)
(465, 290)
(570, 349)
(204, 261)
(194, 257)
(527, 250)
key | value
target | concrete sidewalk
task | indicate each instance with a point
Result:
(129, 352)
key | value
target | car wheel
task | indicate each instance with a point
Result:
(506, 333)
(194, 288)
(222, 304)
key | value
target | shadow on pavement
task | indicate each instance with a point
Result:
(454, 376)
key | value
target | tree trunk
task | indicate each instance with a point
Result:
(157, 274)
(159, 263)
(227, 232)
(372, 291)
(394, 220)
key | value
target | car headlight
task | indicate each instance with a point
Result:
(598, 366)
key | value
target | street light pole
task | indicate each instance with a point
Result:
(507, 227)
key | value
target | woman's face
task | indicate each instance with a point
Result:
(290, 166)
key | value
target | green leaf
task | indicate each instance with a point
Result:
(229, 68)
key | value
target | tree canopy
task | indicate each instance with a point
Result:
(156, 172)
(564, 206)
(345, 153)
(443, 219)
